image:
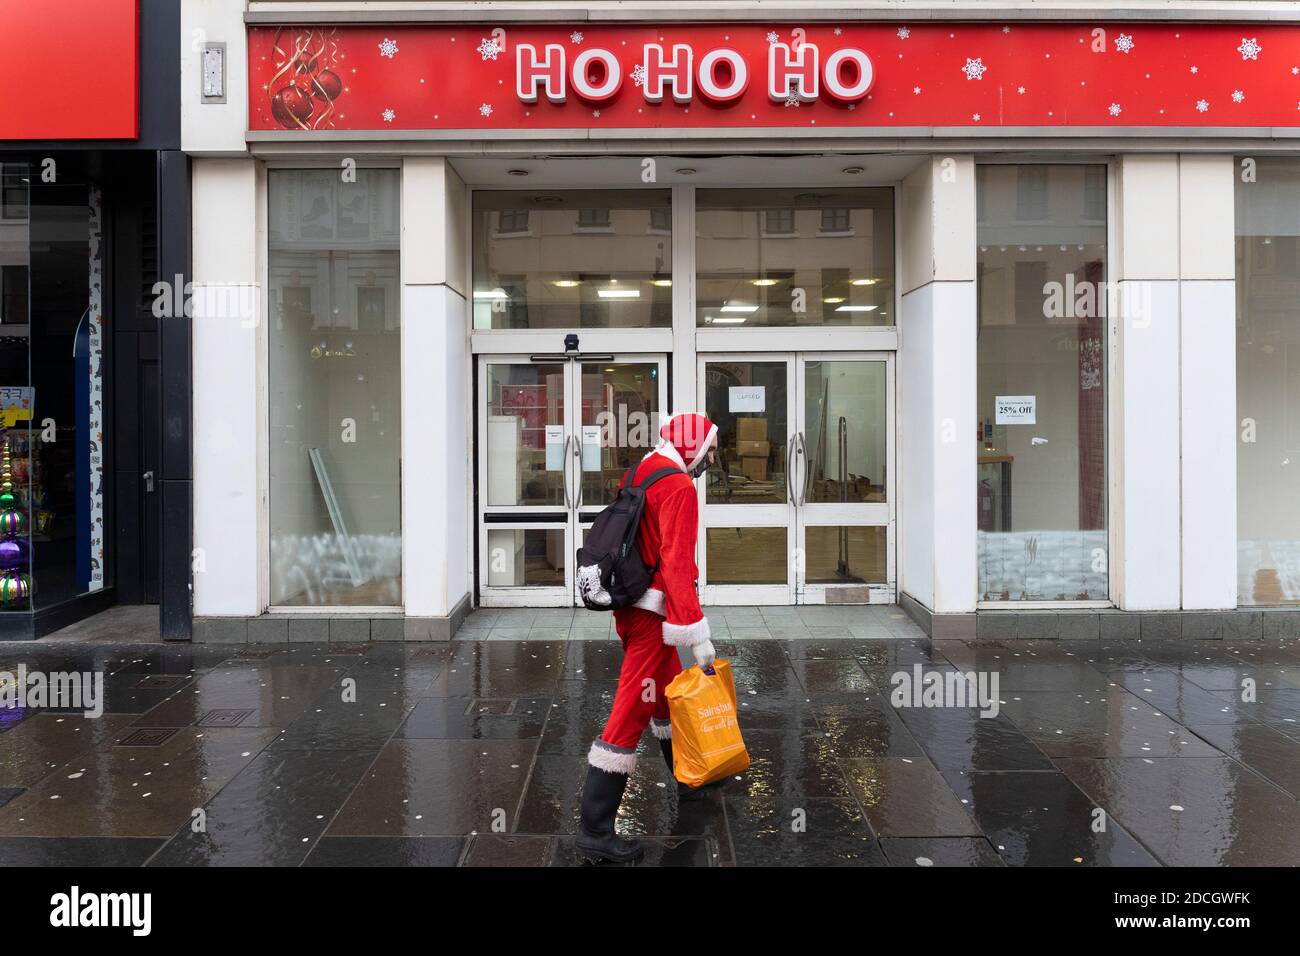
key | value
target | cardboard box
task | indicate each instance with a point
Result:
(753, 449)
(751, 429)
(754, 469)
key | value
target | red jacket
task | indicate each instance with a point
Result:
(667, 536)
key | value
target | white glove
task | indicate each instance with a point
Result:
(704, 654)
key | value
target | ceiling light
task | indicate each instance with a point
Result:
(661, 283)
(619, 293)
(865, 281)
(729, 320)
(764, 282)
(853, 170)
(516, 172)
(834, 300)
(740, 308)
(686, 171)
(566, 283)
(857, 308)
(490, 294)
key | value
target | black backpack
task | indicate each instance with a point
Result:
(611, 571)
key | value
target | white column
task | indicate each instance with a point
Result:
(936, 382)
(1207, 274)
(436, 404)
(1145, 392)
(229, 399)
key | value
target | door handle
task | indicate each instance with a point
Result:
(807, 470)
(789, 467)
(148, 482)
(577, 458)
(564, 471)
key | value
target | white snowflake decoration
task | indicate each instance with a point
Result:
(485, 109)
(773, 36)
(1196, 69)
(1250, 48)
(1124, 43)
(975, 117)
(904, 33)
(489, 49)
(1006, 29)
(1238, 96)
(839, 30)
(389, 116)
(575, 37)
(596, 114)
(1020, 90)
(1115, 109)
(975, 69)
(638, 75)
(1202, 106)
(388, 48)
(916, 90)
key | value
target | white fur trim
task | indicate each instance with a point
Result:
(665, 448)
(688, 635)
(662, 731)
(653, 601)
(704, 448)
(609, 760)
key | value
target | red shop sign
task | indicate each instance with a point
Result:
(746, 75)
(39, 99)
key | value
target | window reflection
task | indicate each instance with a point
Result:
(785, 257)
(573, 259)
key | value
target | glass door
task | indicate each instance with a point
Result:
(798, 507)
(844, 500)
(747, 555)
(555, 437)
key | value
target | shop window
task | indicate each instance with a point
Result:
(1041, 439)
(1268, 384)
(786, 257)
(335, 388)
(588, 260)
(52, 397)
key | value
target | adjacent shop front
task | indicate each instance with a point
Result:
(959, 295)
(93, 212)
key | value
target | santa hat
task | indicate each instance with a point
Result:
(689, 435)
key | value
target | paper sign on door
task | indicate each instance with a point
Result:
(746, 398)
(1016, 409)
(554, 447)
(591, 448)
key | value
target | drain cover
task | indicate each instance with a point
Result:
(490, 707)
(147, 737)
(224, 718)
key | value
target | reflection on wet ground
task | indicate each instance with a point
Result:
(473, 754)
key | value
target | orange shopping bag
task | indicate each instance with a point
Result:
(706, 735)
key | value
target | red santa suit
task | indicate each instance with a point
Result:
(668, 615)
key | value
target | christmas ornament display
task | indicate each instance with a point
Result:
(306, 81)
(15, 551)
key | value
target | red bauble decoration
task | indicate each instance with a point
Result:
(326, 85)
(291, 106)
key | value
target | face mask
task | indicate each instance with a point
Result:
(700, 467)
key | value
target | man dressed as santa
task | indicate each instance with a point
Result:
(666, 617)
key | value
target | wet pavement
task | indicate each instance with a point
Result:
(473, 753)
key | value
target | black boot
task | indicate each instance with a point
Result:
(601, 795)
(684, 791)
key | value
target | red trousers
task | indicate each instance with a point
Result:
(649, 665)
